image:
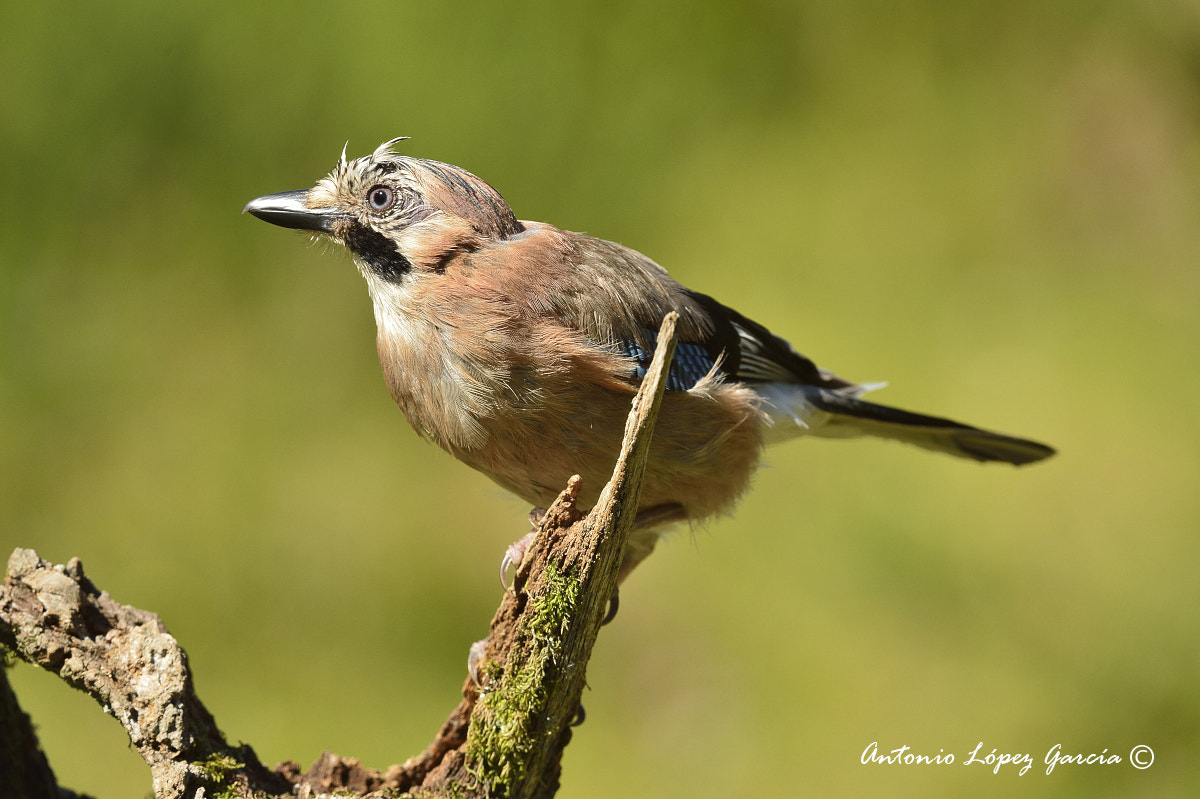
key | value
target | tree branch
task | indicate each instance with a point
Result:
(124, 658)
(505, 739)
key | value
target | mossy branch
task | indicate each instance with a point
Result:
(505, 739)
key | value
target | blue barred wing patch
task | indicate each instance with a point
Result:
(689, 366)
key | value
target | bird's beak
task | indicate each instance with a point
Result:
(290, 209)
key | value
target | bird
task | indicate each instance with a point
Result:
(517, 347)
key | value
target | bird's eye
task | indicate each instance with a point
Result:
(381, 198)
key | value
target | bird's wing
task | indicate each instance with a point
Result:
(618, 297)
(734, 347)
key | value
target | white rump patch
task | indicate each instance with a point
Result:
(788, 411)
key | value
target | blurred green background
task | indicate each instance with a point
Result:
(995, 207)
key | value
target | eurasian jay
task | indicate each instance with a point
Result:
(517, 347)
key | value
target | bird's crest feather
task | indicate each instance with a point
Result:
(387, 146)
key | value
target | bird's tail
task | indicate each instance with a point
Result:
(834, 414)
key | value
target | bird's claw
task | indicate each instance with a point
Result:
(614, 603)
(513, 556)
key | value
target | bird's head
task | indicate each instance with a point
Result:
(398, 216)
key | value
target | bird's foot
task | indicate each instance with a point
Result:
(517, 549)
(513, 556)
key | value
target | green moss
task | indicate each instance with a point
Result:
(219, 770)
(553, 608)
(500, 739)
